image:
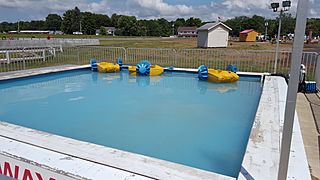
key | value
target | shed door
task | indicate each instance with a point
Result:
(218, 37)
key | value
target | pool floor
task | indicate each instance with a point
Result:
(172, 117)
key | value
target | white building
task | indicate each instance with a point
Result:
(213, 35)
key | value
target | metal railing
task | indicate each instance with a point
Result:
(245, 60)
(43, 42)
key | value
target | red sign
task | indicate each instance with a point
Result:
(13, 171)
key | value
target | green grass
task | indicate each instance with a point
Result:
(151, 43)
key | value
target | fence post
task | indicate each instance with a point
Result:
(78, 55)
(125, 55)
(8, 56)
(54, 51)
(24, 59)
(175, 57)
(61, 50)
(44, 54)
(318, 71)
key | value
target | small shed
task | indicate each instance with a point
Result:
(213, 35)
(248, 35)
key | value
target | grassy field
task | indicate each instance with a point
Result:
(152, 42)
(186, 43)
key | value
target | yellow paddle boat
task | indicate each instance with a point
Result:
(217, 76)
(222, 76)
(144, 68)
(108, 67)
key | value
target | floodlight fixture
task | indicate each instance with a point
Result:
(286, 4)
(275, 6)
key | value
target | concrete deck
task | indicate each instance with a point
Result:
(311, 136)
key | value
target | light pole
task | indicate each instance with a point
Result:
(266, 33)
(285, 7)
(18, 26)
(172, 29)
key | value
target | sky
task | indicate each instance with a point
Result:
(207, 10)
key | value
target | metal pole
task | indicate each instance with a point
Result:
(24, 59)
(172, 29)
(278, 41)
(298, 44)
(266, 33)
(318, 71)
(18, 26)
(78, 55)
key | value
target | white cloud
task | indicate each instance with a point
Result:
(146, 8)
(164, 8)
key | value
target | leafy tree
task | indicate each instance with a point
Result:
(165, 27)
(6, 26)
(53, 22)
(114, 19)
(71, 21)
(288, 24)
(179, 23)
(103, 31)
(88, 23)
(193, 22)
(102, 20)
(257, 23)
(37, 25)
(313, 24)
(142, 28)
(127, 26)
(153, 28)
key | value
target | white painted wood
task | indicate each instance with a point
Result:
(215, 37)
(49, 164)
(202, 39)
(218, 37)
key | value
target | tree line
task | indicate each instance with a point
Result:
(73, 19)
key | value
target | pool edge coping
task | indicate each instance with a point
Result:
(262, 156)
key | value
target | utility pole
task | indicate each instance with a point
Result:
(18, 26)
(80, 27)
(266, 33)
(301, 21)
(278, 42)
(285, 7)
(172, 29)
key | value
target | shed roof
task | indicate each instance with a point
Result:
(246, 31)
(209, 26)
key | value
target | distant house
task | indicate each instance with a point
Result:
(213, 35)
(187, 31)
(109, 31)
(248, 35)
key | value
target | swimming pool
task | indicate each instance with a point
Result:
(173, 117)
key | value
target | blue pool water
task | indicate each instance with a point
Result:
(172, 117)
